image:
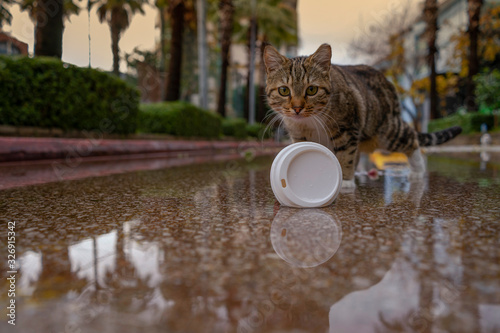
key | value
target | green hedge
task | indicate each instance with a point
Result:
(470, 122)
(235, 127)
(238, 128)
(45, 92)
(259, 131)
(184, 119)
(180, 119)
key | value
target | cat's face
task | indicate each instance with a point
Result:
(298, 88)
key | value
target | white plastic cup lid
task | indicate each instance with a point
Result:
(306, 175)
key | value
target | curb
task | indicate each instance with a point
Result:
(17, 149)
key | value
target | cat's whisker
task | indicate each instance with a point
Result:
(269, 113)
(271, 123)
(282, 124)
(323, 127)
(277, 117)
(317, 129)
(330, 117)
(330, 120)
(328, 136)
(315, 121)
(279, 120)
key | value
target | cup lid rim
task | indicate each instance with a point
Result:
(279, 172)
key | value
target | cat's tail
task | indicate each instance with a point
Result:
(437, 138)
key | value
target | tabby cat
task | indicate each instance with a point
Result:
(349, 109)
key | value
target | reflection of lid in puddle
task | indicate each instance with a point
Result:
(305, 238)
(306, 174)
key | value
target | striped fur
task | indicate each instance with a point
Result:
(437, 138)
(355, 108)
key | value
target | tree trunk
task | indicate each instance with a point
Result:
(431, 14)
(474, 12)
(246, 107)
(163, 39)
(261, 105)
(201, 18)
(173, 92)
(227, 12)
(115, 39)
(49, 28)
(254, 25)
(433, 87)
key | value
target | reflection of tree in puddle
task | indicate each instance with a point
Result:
(128, 288)
(305, 237)
(56, 277)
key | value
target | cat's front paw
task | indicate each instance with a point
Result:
(348, 184)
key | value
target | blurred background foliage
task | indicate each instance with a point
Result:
(167, 77)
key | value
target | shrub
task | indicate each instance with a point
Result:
(180, 119)
(259, 131)
(470, 122)
(488, 90)
(45, 92)
(235, 127)
(478, 119)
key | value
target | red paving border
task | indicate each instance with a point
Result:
(29, 161)
(16, 149)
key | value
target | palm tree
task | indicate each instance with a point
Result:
(430, 16)
(285, 34)
(276, 24)
(226, 10)
(49, 18)
(474, 13)
(5, 15)
(118, 13)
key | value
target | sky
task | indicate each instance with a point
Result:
(335, 22)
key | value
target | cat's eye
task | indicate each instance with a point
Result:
(284, 91)
(311, 90)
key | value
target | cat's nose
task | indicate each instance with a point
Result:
(297, 109)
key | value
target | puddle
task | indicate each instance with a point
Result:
(205, 248)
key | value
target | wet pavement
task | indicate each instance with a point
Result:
(205, 248)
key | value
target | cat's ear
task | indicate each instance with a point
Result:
(322, 57)
(273, 59)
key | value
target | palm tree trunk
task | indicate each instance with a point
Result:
(173, 87)
(227, 12)
(115, 39)
(202, 53)
(49, 28)
(254, 24)
(163, 37)
(474, 11)
(261, 105)
(246, 107)
(431, 14)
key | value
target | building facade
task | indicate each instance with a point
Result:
(11, 46)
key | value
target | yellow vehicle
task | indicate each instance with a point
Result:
(384, 160)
